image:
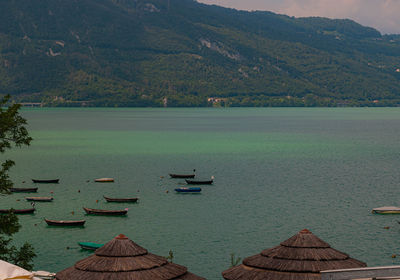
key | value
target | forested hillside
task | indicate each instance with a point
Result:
(183, 53)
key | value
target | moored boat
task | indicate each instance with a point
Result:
(181, 176)
(109, 199)
(195, 182)
(105, 212)
(386, 210)
(104, 180)
(17, 211)
(40, 199)
(65, 223)
(188, 190)
(26, 190)
(90, 245)
(51, 181)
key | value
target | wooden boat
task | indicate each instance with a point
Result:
(90, 245)
(195, 182)
(26, 190)
(40, 199)
(17, 211)
(109, 199)
(181, 176)
(104, 180)
(105, 212)
(51, 181)
(188, 190)
(386, 210)
(65, 223)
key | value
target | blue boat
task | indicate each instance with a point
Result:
(90, 245)
(188, 190)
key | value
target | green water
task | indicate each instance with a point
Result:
(276, 171)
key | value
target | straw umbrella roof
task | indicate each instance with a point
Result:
(301, 257)
(122, 259)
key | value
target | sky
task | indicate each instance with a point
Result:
(383, 15)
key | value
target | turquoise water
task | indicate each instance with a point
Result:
(276, 171)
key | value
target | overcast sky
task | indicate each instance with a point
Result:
(383, 15)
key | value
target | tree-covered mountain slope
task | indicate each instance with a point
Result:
(182, 53)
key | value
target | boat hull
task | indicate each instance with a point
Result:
(90, 246)
(182, 176)
(25, 190)
(52, 181)
(104, 180)
(192, 182)
(121, 200)
(91, 211)
(188, 190)
(386, 212)
(39, 199)
(17, 211)
(65, 223)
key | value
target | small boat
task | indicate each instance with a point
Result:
(109, 199)
(105, 212)
(51, 181)
(188, 190)
(65, 223)
(182, 176)
(90, 245)
(45, 275)
(26, 190)
(17, 211)
(386, 210)
(104, 180)
(195, 182)
(40, 199)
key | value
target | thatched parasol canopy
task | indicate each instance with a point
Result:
(301, 257)
(122, 259)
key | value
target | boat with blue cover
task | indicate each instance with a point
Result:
(90, 245)
(188, 190)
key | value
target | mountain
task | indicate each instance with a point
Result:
(183, 53)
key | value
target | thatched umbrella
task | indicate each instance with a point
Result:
(122, 259)
(301, 257)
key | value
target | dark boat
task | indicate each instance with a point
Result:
(193, 182)
(109, 199)
(40, 199)
(105, 212)
(26, 190)
(90, 245)
(182, 176)
(188, 190)
(51, 181)
(17, 211)
(65, 223)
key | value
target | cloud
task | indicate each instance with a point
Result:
(383, 15)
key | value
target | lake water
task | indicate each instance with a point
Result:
(276, 171)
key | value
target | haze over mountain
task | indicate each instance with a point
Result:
(182, 53)
(382, 14)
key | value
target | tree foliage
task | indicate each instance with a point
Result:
(8, 252)
(12, 133)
